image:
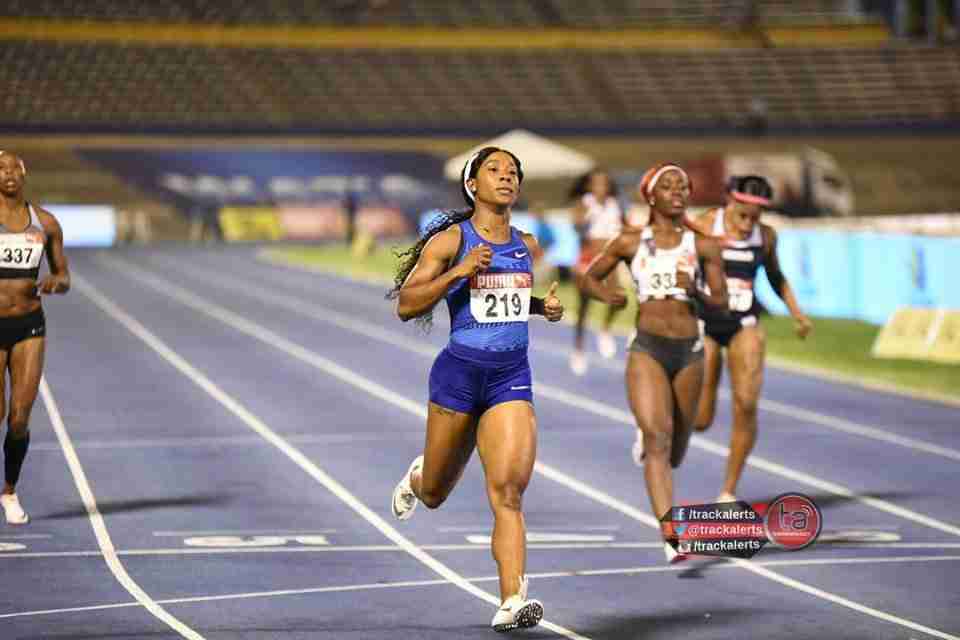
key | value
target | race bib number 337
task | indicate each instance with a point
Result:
(500, 297)
(17, 251)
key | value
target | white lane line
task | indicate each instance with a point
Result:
(539, 576)
(239, 532)
(375, 548)
(373, 331)
(263, 334)
(782, 364)
(485, 528)
(370, 548)
(294, 454)
(847, 426)
(220, 441)
(27, 536)
(97, 522)
(834, 488)
(756, 568)
(772, 406)
(47, 612)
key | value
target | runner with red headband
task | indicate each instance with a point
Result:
(747, 244)
(665, 363)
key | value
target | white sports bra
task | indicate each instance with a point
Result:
(654, 270)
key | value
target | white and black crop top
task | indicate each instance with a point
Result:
(655, 270)
(21, 251)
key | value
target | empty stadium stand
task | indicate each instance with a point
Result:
(451, 13)
(111, 86)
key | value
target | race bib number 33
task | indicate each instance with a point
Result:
(660, 277)
(500, 297)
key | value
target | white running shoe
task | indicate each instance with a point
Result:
(578, 362)
(726, 497)
(517, 612)
(637, 450)
(12, 509)
(404, 499)
(606, 345)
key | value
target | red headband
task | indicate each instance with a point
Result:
(652, 176)
(739, 196)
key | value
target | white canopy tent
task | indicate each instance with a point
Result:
(541, 157)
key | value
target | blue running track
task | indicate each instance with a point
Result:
(217, 440)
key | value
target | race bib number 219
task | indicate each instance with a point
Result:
(500, 297)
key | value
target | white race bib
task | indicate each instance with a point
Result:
(660, 277)
(20, 251)
(500, 297)
(739, 294)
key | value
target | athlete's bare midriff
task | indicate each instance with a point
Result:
(18, 296)
(667, 318)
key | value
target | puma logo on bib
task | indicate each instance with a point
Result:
(501, 297)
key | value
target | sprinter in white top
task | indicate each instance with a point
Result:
(27, 233)
(665, 364)
(598, 219)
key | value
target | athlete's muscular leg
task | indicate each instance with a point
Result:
(712, 373)
(507, 443)
(451, 438)
(582, 308)
(745, 355)
(686, 395)
(651, 400)
(4, 356)
(26, 367)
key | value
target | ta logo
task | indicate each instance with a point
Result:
(793, 521)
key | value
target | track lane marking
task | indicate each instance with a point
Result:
(424, 583)
(294, 454)
(376, 332)
(104, 541)
(267, 336)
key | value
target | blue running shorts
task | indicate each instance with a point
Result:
(471, 381)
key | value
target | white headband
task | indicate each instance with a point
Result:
(662, 170)
(466, 176)
(23, 167)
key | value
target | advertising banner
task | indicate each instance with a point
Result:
(257, 176)
(85, 225)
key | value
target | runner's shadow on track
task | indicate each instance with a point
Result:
(678, 623)
(125, 506)
(827, 500)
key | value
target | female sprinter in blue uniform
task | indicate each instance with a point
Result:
(665, 364)
(26, 233)
(748, 244)
(480, 385)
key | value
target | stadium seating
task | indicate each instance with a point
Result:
(455, 13)
(131, 87)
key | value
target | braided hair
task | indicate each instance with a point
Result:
(407, 259)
